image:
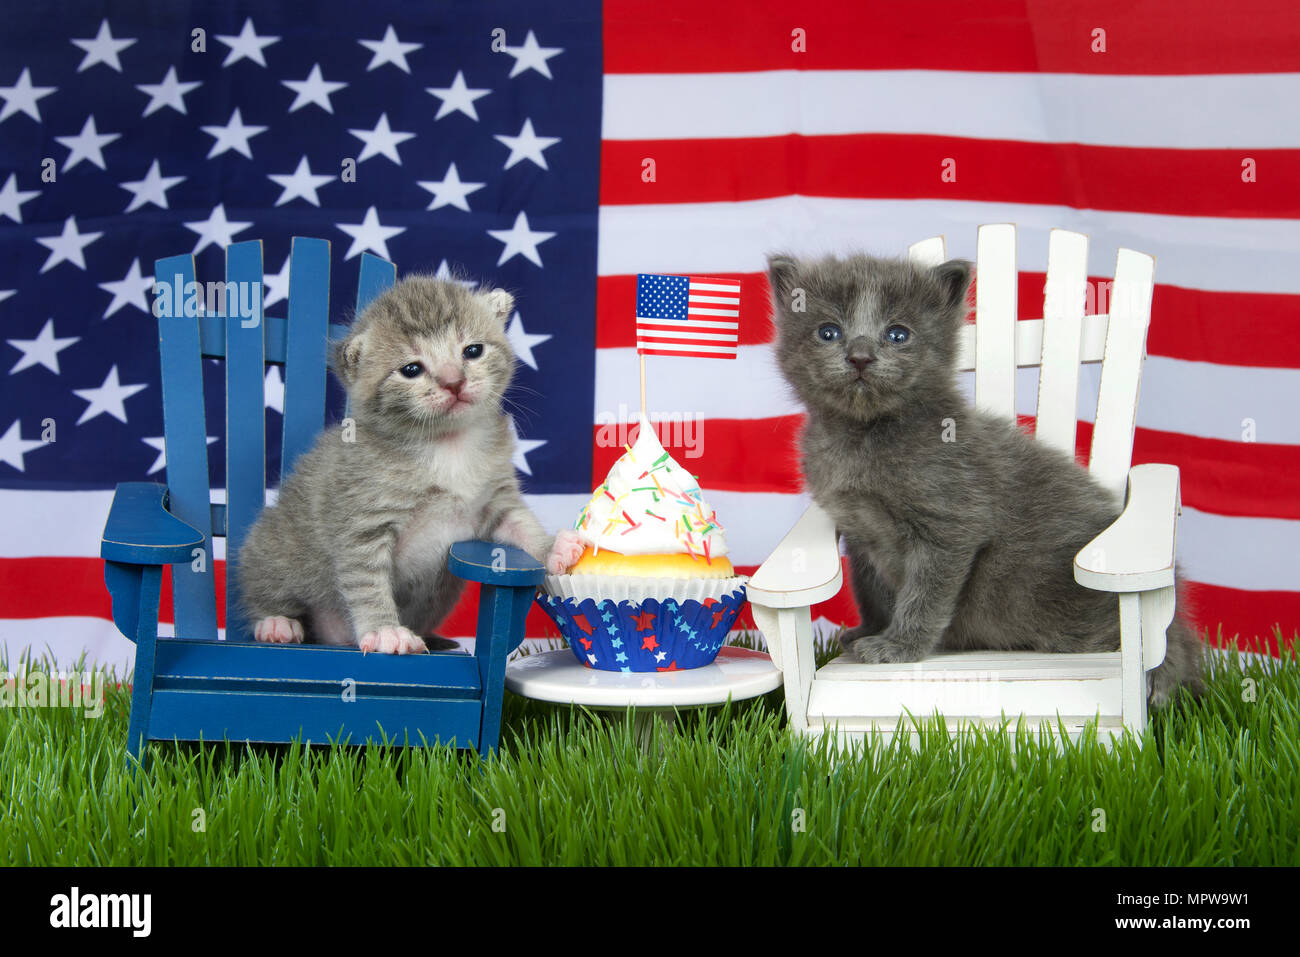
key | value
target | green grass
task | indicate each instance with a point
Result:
(1215, 784)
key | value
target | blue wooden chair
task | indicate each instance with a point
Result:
(196, 687)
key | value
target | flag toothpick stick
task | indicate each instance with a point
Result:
(642, 358)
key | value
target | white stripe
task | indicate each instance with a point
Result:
(1195, 398)
(732, 287)
(701, 311)
(1197, 252)
(689, 347)
(1180, 112)
(1256, 554)
(748, 387)
(726, 300)
(52, 523)
(1229, 551)
(64, 640)
(687, 323)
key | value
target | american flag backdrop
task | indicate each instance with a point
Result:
(562, 148)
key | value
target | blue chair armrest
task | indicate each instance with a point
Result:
(490, 563)
(140, 530)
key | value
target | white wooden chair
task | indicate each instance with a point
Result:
(1134, 557)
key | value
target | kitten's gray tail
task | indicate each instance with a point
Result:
(1183, 667)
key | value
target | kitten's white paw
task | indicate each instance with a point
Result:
(565, 552)
(279, 630)
(393, 641)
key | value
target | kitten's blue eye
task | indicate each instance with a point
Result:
(474, 351)
(897, 334)
(829, 332)
(412, 370)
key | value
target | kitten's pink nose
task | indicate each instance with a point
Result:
(450, 378)
(860, 361)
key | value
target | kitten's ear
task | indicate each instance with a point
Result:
(954, 277)
(347, 357)
(783, 275)
(501, 303)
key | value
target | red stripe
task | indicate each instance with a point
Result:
(1153, 37)
(1228, 478)
(37, 587)
(1192, 324)
(74, 587)
(719, 451)
(1214, 471)
(1248, 618)
(1181, 182)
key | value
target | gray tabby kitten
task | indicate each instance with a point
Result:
(355, 550)
(959, 544)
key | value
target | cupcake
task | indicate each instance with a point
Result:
(653, 589)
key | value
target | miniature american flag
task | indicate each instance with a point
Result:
(687, 316)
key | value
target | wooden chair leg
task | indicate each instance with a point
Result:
(146, 647)
(502, 610)
(1133, 676)
(788, 632)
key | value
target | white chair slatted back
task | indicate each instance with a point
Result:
(1063, 303)
(995, 320)
(928, 252)
(1058, 343)
(1121, 370)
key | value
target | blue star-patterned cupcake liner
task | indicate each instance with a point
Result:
(649, 635)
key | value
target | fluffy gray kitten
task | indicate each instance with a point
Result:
(961, 543)
(355, 550)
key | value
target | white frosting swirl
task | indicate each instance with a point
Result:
(650, 505)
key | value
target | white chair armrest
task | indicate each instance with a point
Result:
(1136, 553)
(804, 569)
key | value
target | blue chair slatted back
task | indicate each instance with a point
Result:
(247, 341)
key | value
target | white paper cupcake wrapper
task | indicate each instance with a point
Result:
(620, 588)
